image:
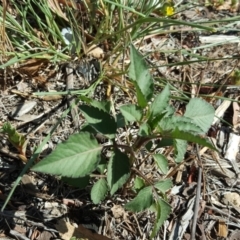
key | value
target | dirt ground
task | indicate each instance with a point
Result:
(43, 207)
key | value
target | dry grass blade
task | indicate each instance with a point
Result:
(5, 43)
(56, 8)
(2, 27)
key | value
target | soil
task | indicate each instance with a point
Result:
(44, 207)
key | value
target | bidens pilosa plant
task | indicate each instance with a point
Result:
(81, 155)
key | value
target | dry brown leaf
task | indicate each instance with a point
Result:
(23, 108)
(28, 184)
(22, 86)
(65, 229)
(31, 66)
(35, 234)
(118, 211)
(45, 235)
(95, 51)
(69, 3)
(226, 5)
(21, 229)
(42, 37)
(41, 80)
(28, 117)
(72, 202)
(232, 199)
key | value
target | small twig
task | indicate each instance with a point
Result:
(9, 154)
(21, 216)
(139, 228)
(197, 199)
(40, 118)
(236, 220)
(125, 147)
(18, 235)
(176, 168)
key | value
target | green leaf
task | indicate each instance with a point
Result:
(139, 73)
(118, 171)
(165, 142)
(139, 183)
(17, 139)
(167, 112)
(77, 157)
(182, 123)
(149, 145)
(163, 185)
(160, 102)
(100, 120)
(131, 112)
(144, 130)
(142, 102)
(85, 99)
(154, 122)
(142, 201)
(103, 105)
(80, 182)
(170, 110)
(180, 148)
(102, 165)
(201, 113)
(163, 212)
(88, 128)
(99, 191)
(190, 137)
(120, 121)
(162, 162)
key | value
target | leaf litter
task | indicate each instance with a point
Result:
(39, 201)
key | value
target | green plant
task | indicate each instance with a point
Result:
(118, 24)
(81, 155)
(17, 139)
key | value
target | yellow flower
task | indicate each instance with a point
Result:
(169, 11)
